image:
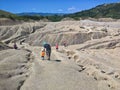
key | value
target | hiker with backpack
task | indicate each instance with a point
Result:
(48, 50)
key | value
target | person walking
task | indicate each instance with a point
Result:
(64, 43)
(56, 46)
(15, 46)
(43, 54)
(48, 50)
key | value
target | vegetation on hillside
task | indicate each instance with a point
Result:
(4, 13)
(11, 16)
(101, 11)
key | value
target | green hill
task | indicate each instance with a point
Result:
(14, 17)
(102, 11)
(4, 14)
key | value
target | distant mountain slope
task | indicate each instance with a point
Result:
(31, 16)
(8, 17)
(102, 11)
(38, 14)
(5, 14)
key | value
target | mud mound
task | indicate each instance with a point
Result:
(6, 21)
(4, 46)
(14, 68)
(18, 32)
(73, 32)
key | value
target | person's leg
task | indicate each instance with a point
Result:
(56, 49)
(48, 53)
(42, 57)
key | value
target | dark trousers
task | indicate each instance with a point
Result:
(48, 53)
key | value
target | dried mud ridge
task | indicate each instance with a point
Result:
(74, 32)
(30, 59)
(14, 68)
(93, 68)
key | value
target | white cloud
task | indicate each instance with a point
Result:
(60, 10)
(71, 8)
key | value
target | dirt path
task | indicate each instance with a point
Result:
(57, 74)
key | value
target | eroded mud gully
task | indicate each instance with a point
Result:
(14, 69)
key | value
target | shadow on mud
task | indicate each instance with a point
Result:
(56, 60)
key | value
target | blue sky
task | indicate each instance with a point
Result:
(50, 6)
